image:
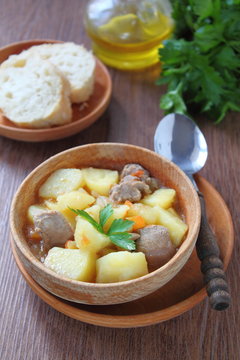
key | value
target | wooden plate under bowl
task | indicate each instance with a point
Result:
(83, 116)
(179, 295)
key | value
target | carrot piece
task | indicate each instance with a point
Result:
(128, 203)
(139, 222)
(85, 240)
(138, 173)
(35, 236)
(70, 244)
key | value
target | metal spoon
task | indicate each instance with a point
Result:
(180, 140)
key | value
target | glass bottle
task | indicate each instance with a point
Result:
(126, 34)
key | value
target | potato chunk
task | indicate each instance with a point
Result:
(120, 266)
(93, 211)
(173, 212)
(72, 263)
(88, 238)
(148, 213)
(34, 210)
(176, 227)
(160, 197)
(118, 213)
(61, 182)
(78, 199)
(100, 180)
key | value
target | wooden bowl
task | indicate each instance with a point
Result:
(110, 156)
(82, 116)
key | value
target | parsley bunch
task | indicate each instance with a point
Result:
(201, 63)
(118, 230)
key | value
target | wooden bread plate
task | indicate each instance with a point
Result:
(179, 295)
(83, 116)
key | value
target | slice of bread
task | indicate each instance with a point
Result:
(34, 94)
(76, 63)
(73, 60)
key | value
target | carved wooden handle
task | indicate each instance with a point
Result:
(211, 264)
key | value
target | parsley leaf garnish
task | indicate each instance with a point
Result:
(120, 225)
(89, 218)
(123, 240)
(105, 214)
(118, 230)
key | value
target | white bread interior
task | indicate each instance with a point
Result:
(33, 93)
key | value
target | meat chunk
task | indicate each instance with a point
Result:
(130, 188)
(137, 170)
(123, 191)
(153, 183)
(53, 228)
(155, 243)
(138, 184)
(134, 170)
(135, 183)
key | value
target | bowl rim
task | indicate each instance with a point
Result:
(24, 248)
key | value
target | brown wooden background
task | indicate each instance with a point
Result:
(30, 329)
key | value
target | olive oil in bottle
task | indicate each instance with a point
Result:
(126, 34)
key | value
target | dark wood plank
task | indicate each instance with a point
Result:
(30, 329)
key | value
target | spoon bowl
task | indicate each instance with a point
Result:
(180, 140)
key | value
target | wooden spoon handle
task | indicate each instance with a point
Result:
(211, 264)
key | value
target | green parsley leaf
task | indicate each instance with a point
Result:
(226, 58)
(123, 240)
(174, 51)
(89, 218)
(203, 8)
(119, 226)
(105, 214)
(172, 100)
(213, 34)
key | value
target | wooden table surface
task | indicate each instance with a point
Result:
(29, 328)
